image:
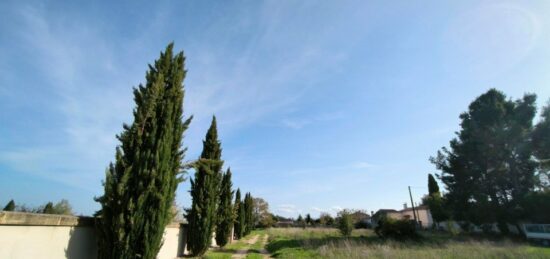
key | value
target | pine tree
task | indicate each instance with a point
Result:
(239, 218)
(205, 188)
(10, 206)
(249, 213)
(225, 211)
(140, 185)
(489, 167)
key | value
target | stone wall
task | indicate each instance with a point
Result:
(32, 235)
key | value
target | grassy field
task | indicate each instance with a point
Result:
(328, 243)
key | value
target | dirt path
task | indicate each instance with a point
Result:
(242, 253)
(264, 252)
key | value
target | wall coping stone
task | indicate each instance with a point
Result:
(12, 218)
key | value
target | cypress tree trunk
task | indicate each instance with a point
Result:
(205, 193)
(140, 185)
(225, 211)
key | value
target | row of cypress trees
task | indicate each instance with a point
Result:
(212, 209)
(140, 185)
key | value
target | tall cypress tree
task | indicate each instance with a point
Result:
(140, 185)
(225, 211)
(239, 212)
(432, 185)
(249, 213)
(435, 201)
(10, 206)
(205, 193)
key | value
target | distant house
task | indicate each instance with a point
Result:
(424, 217)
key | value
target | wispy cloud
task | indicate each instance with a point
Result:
(301, 122)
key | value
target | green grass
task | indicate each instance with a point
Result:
(328, 243)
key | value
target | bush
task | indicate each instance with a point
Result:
(397, 229)
(345, 222)
(362, 224)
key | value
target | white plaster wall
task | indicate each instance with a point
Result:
(48, 242)
(54, 242)
(170, 247)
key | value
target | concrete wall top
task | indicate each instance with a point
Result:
(37, 219)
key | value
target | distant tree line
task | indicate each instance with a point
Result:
(496, 169)
(63, 207)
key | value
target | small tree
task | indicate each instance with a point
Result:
(238, 226)
(242, 220)
(63, 207)
(325, 219)
(435, 201)
(345, 222)
(205, 193)
(309, 221)
(225, 211)
(48, 208)
(432, 185)
(10, 206)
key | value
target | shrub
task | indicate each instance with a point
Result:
(397, 229)
(345, 222)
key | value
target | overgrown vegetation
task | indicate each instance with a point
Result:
(396, 228)
(363, 243)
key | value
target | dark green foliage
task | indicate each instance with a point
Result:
(205, 192)
(435, 201)
(248, 213)
(433, 187)
(309, 221)
(140, 185)
(437, 208)
(225, 211)
(48, 208)
(541, 148)
(489, 167)
(537, 207)
(396, 229)
(239, 216)
(242, 220)
(326, 220)
(345, 222)
(10, 206)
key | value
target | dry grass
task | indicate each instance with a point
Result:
(327, 243)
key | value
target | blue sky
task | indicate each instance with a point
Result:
(321, 105)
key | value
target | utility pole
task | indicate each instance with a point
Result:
(412, 203)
